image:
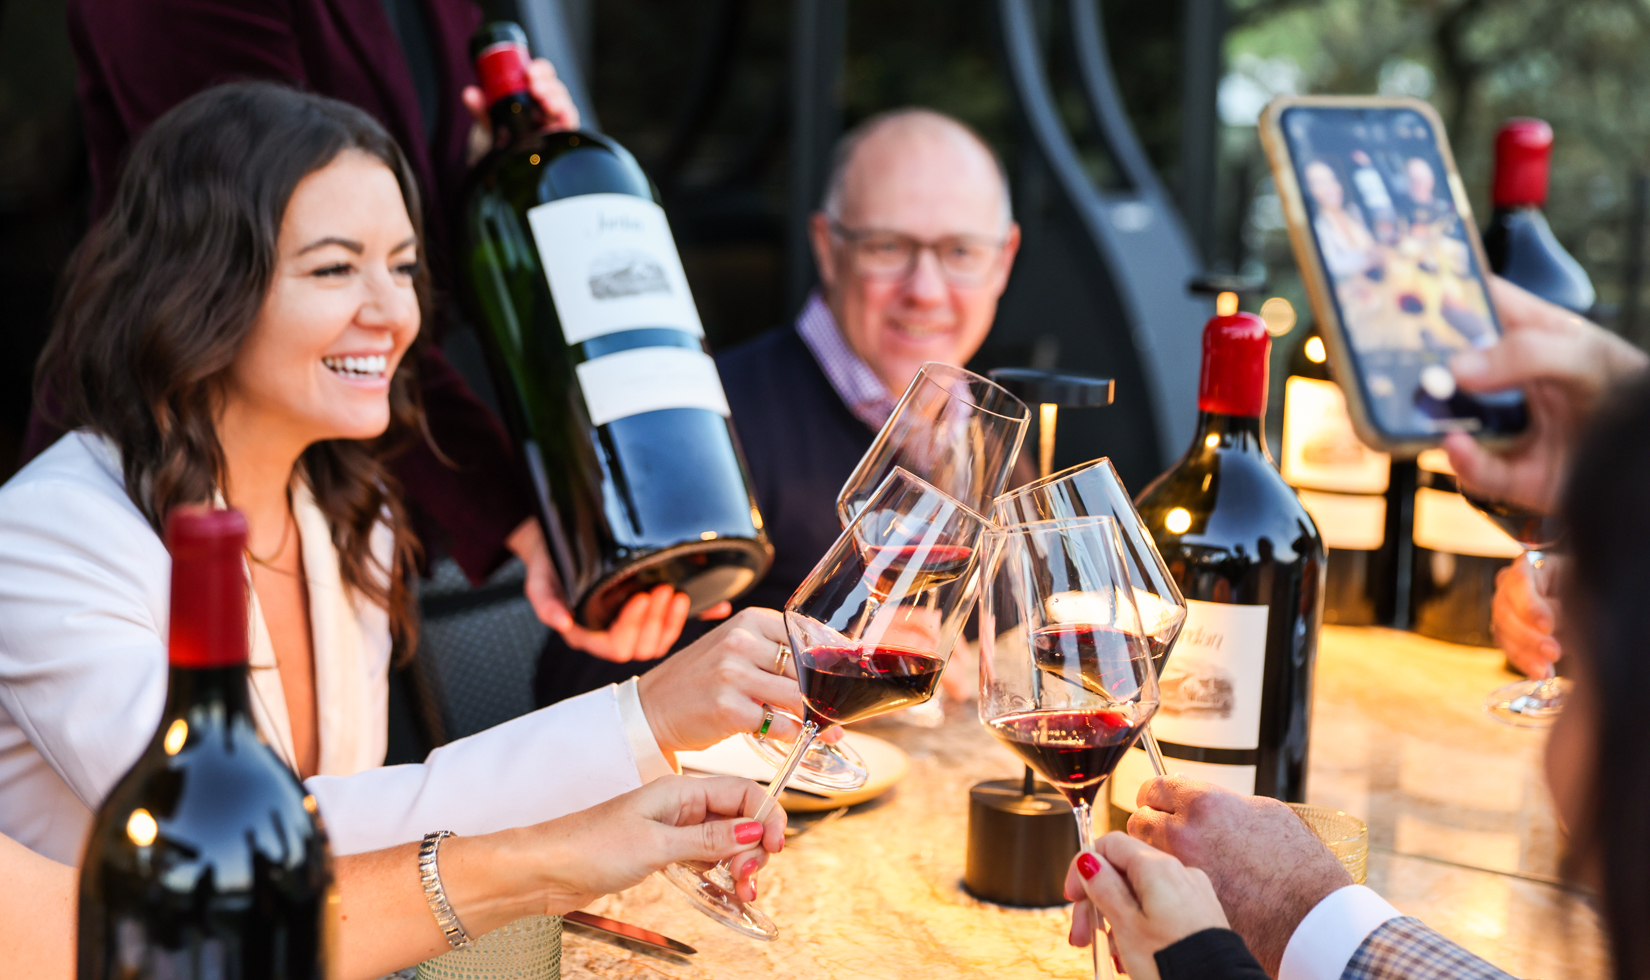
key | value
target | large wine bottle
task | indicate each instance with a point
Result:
(1344, 486)
(206, 860)
(1519, 244)
(599, 357)
(1237, 690)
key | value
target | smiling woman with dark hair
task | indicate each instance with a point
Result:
(236, 330)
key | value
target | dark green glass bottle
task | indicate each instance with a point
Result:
(599, 358)
(206, 861)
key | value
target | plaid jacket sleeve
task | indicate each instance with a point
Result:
(1405, 949)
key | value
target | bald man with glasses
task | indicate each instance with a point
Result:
(914, 245)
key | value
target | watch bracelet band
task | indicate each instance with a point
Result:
(429, 875)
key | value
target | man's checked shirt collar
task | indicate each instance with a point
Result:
(853, 380)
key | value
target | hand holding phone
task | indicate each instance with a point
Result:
(1393, 266)
(1565, 365)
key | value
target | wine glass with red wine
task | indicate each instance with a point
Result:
(1095, 489)
(871, 628)
(1066, 675)
(1534, 702)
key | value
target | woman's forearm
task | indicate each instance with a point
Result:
(385, 924)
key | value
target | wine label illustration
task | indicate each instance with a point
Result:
(612, 266)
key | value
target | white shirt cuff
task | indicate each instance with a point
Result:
(644, 748)
(1326, 939)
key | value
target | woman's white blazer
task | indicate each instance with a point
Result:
(84, 599)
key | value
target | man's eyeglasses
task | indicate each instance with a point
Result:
(888, 256)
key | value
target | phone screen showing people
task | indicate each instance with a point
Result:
(1405, 281)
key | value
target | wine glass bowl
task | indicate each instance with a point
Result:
(1094, 489)
(953, 428)
(870, 630)
(1533, 702)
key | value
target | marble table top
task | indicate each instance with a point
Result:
(1461, 829)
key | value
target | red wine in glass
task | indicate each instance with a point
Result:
(1088, 655)
(930, 564)
(1074, 749)
(843, 684)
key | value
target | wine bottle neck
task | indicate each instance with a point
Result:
(1230, 433)
(206, 696)
(511, 108)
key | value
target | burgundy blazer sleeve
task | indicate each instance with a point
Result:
(139, 59)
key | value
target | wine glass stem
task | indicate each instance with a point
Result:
(1099, 947)
(777, 785)
(1540, 580)
(1154, 752)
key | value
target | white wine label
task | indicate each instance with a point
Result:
(1320, 449)
(1136, 768)
(612, 266)
(647, 379)
(1444, 521)
(1212, 683)
(1349, 521)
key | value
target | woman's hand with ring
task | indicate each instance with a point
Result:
(721, 685)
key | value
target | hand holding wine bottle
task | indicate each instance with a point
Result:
(1565, 366)
(646, 627)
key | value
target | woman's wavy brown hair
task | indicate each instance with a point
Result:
(160, 296)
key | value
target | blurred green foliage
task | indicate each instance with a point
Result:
(1574, 63)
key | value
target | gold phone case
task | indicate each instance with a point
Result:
(1342, 361)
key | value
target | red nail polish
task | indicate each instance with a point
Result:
(1087, 865)
(748, 833)
(749, 868)
(753, 895)
(1117, 962)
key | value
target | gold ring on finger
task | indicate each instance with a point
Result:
(780, 658)
(767, 722)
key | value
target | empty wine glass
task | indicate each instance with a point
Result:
(1066, 676)
(1094, 489)
(871, 628)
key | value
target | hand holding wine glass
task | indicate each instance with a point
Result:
(871, 628)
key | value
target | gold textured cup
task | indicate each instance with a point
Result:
(1346, 836)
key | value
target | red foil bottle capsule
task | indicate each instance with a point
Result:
(1523, 159)
(209, 586)
(1235, 359)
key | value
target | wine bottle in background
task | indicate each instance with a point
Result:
(1520, 246)
(206, 860)
(1237, 690)
(1457, 553)
(1344, 486)
(598, 353)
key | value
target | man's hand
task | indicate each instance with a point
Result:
(1265, 864)
(1523, 618)
(645, 628)
(1565, 365)
(548, 91)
